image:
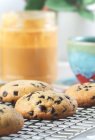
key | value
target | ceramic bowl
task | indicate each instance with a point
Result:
(81, 55)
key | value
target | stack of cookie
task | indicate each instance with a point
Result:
(36, 100)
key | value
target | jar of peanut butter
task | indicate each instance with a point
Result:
(28, 46)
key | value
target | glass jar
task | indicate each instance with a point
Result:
(28, 44)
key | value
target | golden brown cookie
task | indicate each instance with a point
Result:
(10, 120)
(46, 105)
(12, 91)
(83, 93)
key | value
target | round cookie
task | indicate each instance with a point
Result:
(12, 91)
(83, 93)
(46, 105)
(10, 120)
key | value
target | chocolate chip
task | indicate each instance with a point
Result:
(4, 108)
(57, 102)
(93, 98)
(1, 99)
(37, 86)
(85, 86)
(52, 110)
(16, 85)
(39, 102)
(42, 108)
(74, 106)
(42, 85)
(70, 102)
(15, 93)
(42, 96)
(60, 98)
(1, 111)
(79, 89)
(37, 92)
(31, 113)
(29, 96)
(67, 97)
(13, 103)
(50, 98)
(33, 84)
(86, 89)
(5, 93)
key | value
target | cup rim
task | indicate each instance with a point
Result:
(83, 40)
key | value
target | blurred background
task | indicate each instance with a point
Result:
(70, 24)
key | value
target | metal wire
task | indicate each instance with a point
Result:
(66, 129)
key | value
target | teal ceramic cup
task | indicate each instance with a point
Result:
(81, 56)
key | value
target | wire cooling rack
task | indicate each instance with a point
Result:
(62, 129)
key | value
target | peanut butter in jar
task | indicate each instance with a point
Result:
(29, 46)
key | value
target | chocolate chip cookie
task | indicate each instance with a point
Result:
(46, 105)
(10, 120)
(12, 91)
(83, 93)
